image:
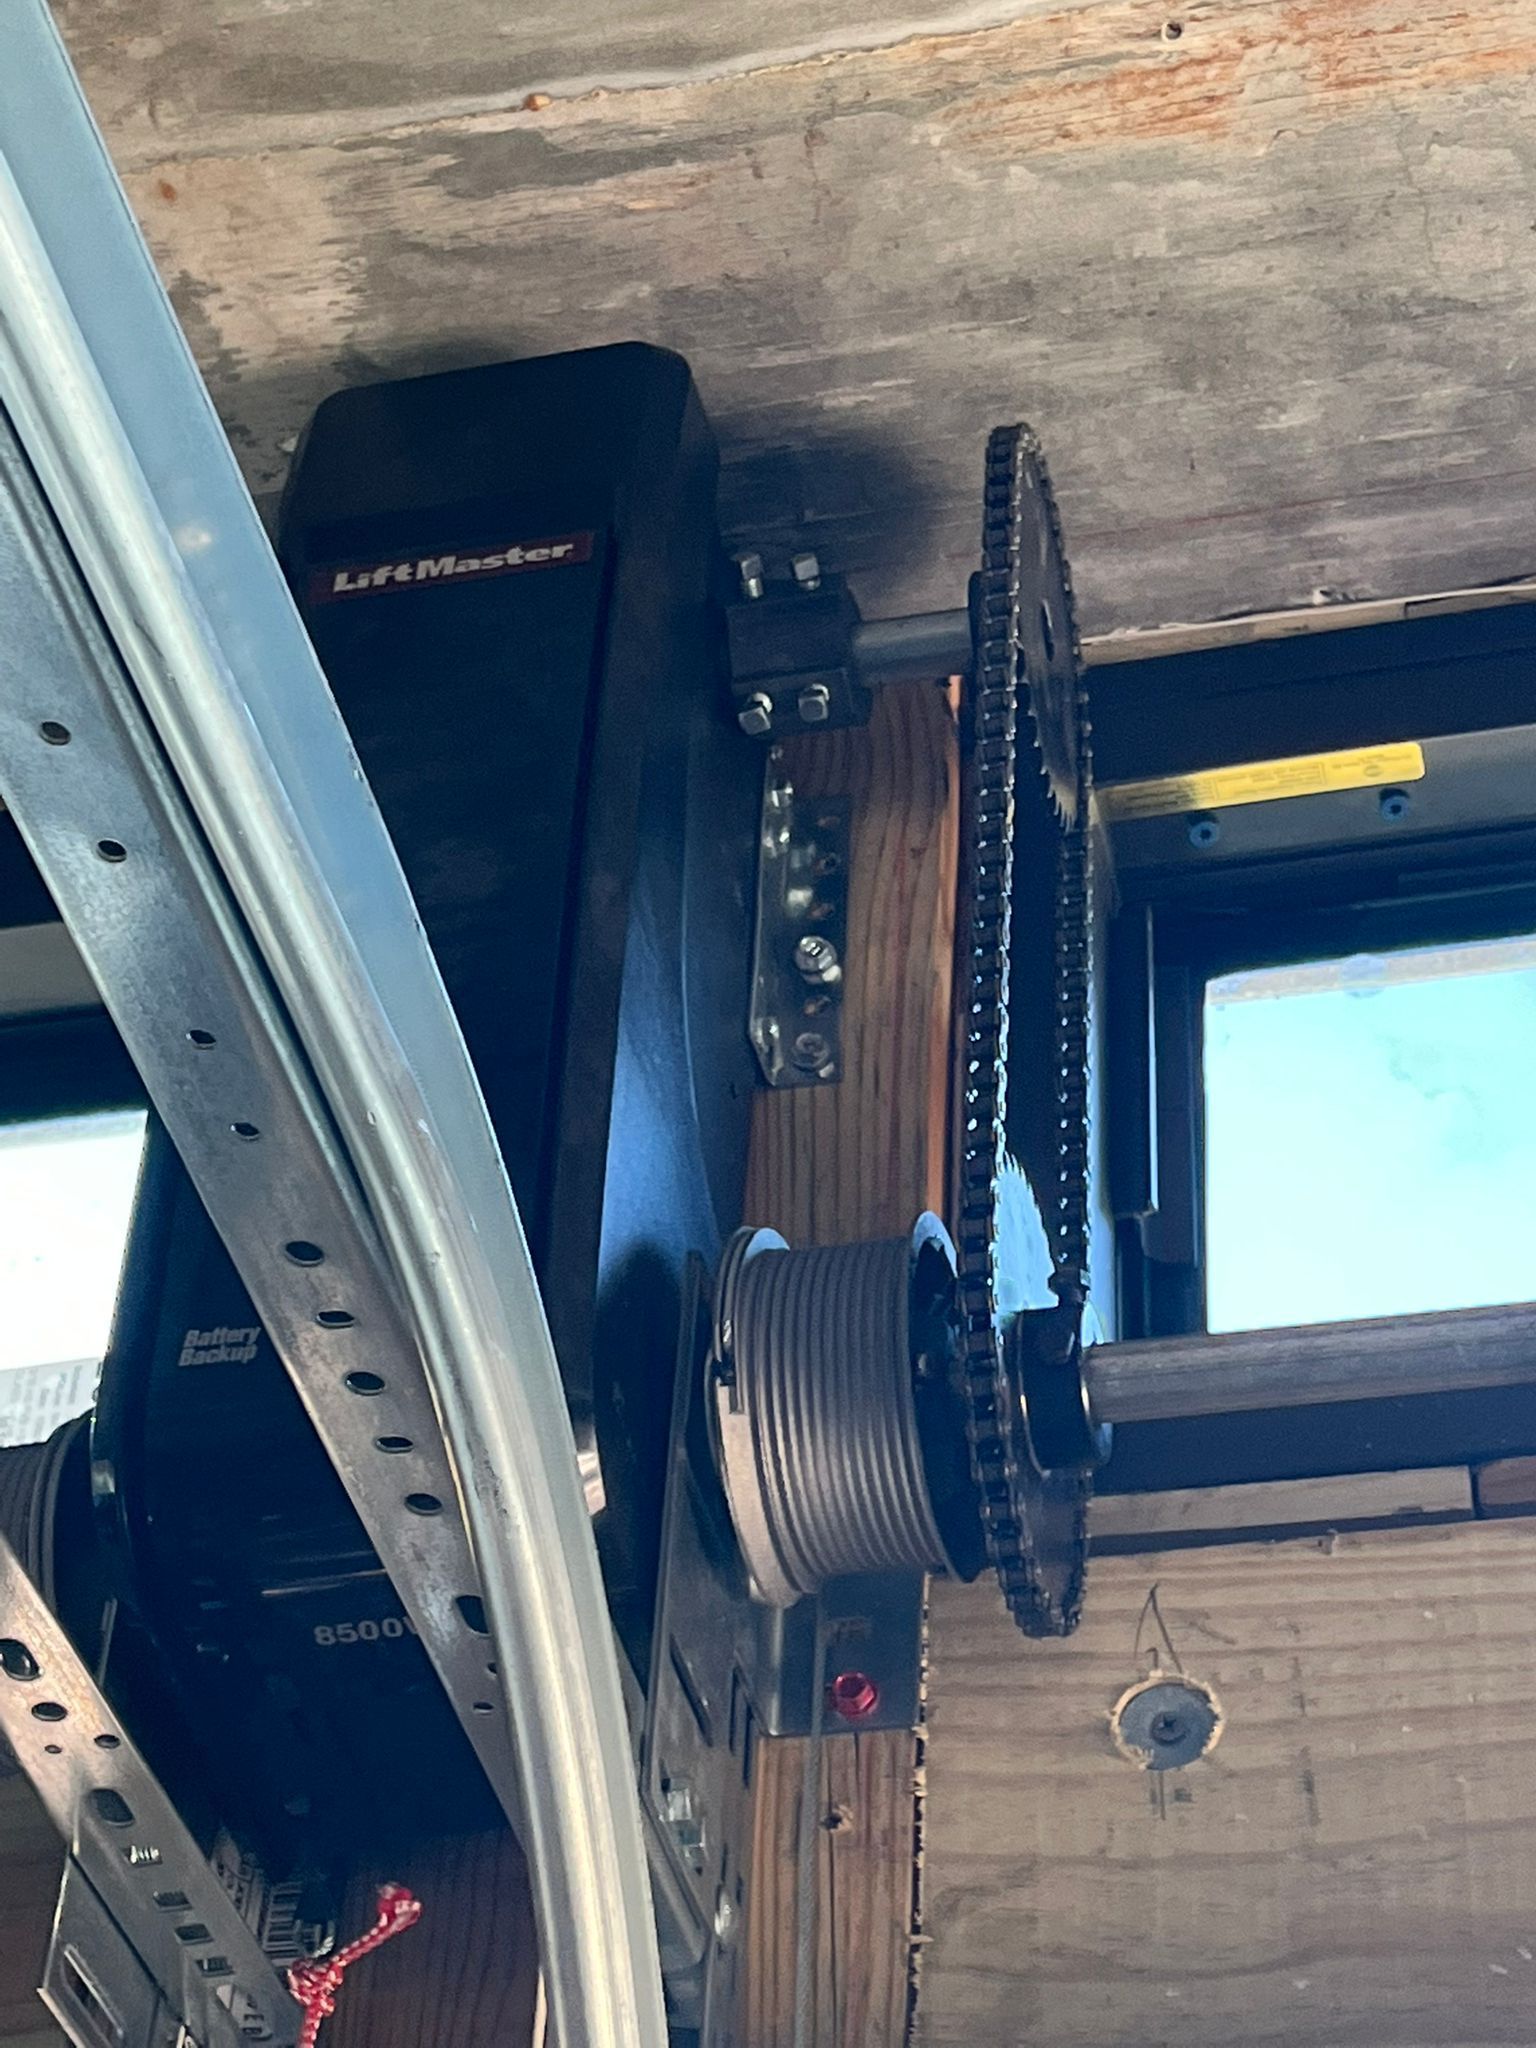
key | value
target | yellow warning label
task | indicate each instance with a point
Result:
(1262, 782)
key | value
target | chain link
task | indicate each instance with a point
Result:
(1034, 1522)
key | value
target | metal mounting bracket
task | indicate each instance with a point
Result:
(142, 1912)
(800, 945)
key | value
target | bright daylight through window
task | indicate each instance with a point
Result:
(66, 1196)
(1370, 1136)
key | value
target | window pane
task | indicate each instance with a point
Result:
(66, 1196)
(1371, 1136)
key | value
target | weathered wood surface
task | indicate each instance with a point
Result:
(1353, 1867)
(1223, 1513)
(31, 1857)
(1263, 271)
(866, 1879)
(828, 1165)
(466, 1976)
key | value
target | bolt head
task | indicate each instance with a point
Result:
(814, 703)
(1204, 830)
(816, 959)
(810, 1050)
(806, 571)
(750, 570)
(677, 1801)
(756, 716)
(680, 1811)
(725, 1918)
(1394, 804)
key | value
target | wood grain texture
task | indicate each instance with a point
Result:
(1266, 286)
(1441, 1494)
(31, 1857)
(1506, 1486)
(466, 1976)
(860, 1160)
(865, 1882)
(1353, 1867)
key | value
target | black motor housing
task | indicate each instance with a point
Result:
(511, 575)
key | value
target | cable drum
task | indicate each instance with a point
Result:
(29, 1491)
(818, 1354)
(19, 1467)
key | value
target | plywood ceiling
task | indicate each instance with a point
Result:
(1262, 272)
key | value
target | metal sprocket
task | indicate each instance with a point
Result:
(1026, 938)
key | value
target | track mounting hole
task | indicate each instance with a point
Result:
(50, 1710)
(423, 1503)
(472, 1613)
(54, 733)
(111, 850)
(335, 1318)
(247, 1133)
(302, 1252)
(16, 1660)
(112, 1807)
(201, 1039)
(393, 1446)
(108, 1742)
(364, 1382)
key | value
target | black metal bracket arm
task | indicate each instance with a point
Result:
(790, 646)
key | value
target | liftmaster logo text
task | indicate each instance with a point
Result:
(408, 572)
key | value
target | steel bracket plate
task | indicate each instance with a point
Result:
(800, 944)
(727, 1670)
(140, 1901)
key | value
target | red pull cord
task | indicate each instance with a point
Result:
(315, 1984)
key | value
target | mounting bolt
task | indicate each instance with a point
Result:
(816, 959)
(756, 716)
(680, 1811)
(806, 571)
(1204, 830)
(810, 1050)
(853, 1695)
(750, 570)
(813, 704)
(725, 1917)
(1394, 804)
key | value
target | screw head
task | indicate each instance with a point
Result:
(1204, 831)
(816, 959)
(806, 571)
(813, 703)
(725, 1917)
(756, 716)
(750, 570)
(810, 1050)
